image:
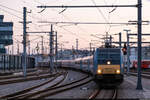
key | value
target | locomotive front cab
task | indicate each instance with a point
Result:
(108, 65)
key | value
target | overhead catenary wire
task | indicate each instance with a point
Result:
(10, 8)
(68, 19)
(73, 33)
(15, 15)
(33, 17)
(99, 10)
(11, 13)
(107, 21)
(76, 24)
(15, 11)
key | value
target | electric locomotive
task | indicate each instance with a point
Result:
(108, 66)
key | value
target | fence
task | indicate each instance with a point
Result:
(13, 62)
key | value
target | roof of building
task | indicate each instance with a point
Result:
(6, 24)
(1, 16)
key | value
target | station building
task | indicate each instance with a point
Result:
(6, 32)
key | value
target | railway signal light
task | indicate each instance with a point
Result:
(124, 49)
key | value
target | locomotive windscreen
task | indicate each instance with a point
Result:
(111, 54)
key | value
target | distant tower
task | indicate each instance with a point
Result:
(76, 44)
(77, 47)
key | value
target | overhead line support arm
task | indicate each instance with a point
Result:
(87, 6)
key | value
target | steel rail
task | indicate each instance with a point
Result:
(28, 89)
(143, 75)
(143, 71)
(26, 92)
(63, 89)
(114, 96)
(3, 74)
(18, 76)
(10, 81)
(94, 94)
(58, 89)
(48, 89)
(51, 88)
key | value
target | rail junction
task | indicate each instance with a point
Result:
(113, 70)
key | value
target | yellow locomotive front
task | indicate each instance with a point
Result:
(108, 66)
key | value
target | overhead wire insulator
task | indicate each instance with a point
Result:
(62, 11)
(113, 10)
(42, 10)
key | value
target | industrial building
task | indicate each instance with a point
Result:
(6, 32)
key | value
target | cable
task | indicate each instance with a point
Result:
(16, 15)
(99, 10)
(107, 21)
(36, 26)
(16, 40)
(11, 9)
(64, 16)
(18, 12)
(69, 19)
(110, 11)
(72, 33)
(10, 13)
(13, 14)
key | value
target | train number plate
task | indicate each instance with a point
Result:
(108, 70)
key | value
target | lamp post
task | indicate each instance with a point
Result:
(128, 51)
(61, 48)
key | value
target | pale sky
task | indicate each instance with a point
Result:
(70, 33)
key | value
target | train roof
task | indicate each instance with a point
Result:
(77, 59)
(84, 58)
(108, 48)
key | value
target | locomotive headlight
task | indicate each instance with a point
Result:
(99, 71)
(108, 62)
(118, 71)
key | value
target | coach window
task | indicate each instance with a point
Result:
(1, 46)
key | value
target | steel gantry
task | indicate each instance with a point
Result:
(24, 42)
(51, 44)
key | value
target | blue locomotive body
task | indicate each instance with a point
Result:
(108, 66)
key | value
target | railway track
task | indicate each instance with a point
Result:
(145, 71)
(114, 95)
(40, 92)
(32, 90)
(94, 94)
(9, 73)
(98, 92)
(143, 75)
(28, 78)
(57, 89)
(35, 73)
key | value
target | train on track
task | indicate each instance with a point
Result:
(144, 65)
(106, 65)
